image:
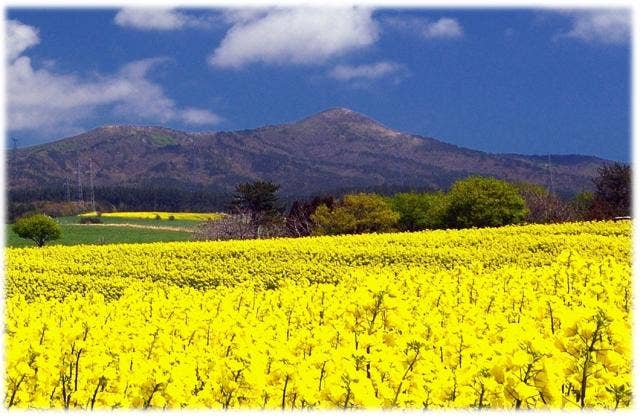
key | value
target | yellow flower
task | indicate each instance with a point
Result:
(438, 319)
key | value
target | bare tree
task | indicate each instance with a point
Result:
(543, 205)
(239, 226)
(299, 222)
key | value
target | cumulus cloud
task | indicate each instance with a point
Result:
(368, 72)
(294, 36)
(443, 28)
(39, 99)
(244, 14)
(600, 26)
(155, 19)
(19, 38)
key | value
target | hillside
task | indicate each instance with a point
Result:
(335, 149)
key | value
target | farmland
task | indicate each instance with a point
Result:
(533, 316)
(122, 228)
(179, 216)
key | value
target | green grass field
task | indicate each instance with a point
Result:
(113, 230)
(185, 224)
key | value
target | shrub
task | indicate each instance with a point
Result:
(582, 206)
(484, 202)
(420, 211)
(51, 208)
(39, 228)
(172, 217)
(355, 214)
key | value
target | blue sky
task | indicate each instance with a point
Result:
(498, 80)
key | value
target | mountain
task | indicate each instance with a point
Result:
(337, 149)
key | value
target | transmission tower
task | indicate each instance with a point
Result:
(13, 171)
(67, 188)
(93, 195)
(550, 172)
(193, 157)
(80, 195)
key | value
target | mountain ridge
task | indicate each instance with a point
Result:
(337, 148)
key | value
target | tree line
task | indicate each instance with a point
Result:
(57, 202)
(255, 210)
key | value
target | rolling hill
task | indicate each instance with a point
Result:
(336, 149)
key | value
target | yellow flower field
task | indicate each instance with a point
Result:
(523, 317)
(185, 216)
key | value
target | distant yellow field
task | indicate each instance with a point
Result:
(186, 216)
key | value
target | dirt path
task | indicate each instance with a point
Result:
(146, 227)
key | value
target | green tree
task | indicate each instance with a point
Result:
(612, 197)
(258, 200)
(355, 214)
(39, 228)
(420, 211)
(582, 205)
(484, 202)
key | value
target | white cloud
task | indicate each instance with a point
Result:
(365, 72)
(19, 38)
(156, 19)
(444, 27)
(244, 14)
(600, 26)
(39, 99)
(294, 36)
(199, 116)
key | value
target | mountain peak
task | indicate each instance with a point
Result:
(341, 114)
(338, 112)
(346, 118)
